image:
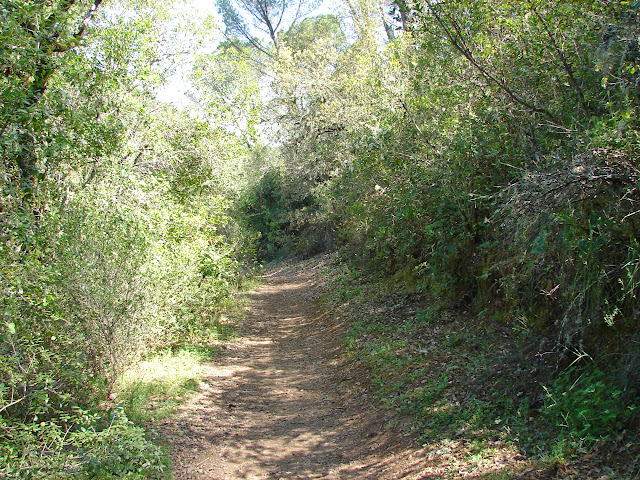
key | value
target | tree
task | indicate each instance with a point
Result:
(267, 17)
(310, 76)
(326, 29)
(227, 87)
(35, 35)
(363, 13)
(111, 228)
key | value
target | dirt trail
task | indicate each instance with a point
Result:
(278, 404)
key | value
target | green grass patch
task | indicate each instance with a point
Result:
(477, 382)
(154, 388)
(438, 366)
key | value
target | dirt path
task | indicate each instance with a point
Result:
(278, 404)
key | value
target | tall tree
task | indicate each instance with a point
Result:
(227, 88)
(34, 36)
(266, 17)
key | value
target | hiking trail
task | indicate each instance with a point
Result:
(281, 402)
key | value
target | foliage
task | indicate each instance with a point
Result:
(265, 18)
(322, 28)
(98, 257)
(115, 236)
(486, 157)
(586, 404)
(583, 212)
(154, 387)
(286, 220)
(34, 35)
(80, 445)
(227, 88)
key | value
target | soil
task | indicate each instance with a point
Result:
(282, 403)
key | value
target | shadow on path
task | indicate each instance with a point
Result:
(276, 404)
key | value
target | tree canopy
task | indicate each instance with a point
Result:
(253, 19)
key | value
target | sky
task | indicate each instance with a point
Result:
(177, 85)
(203, 6)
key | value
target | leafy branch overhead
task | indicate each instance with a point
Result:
(265, 19)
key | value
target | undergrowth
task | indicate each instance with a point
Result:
(470, 380)
(154, 388)
(112, 442)
(82, 445)
(115, 439)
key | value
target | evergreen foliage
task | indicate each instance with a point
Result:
(486, 156)
(484, 153)
(116, 239)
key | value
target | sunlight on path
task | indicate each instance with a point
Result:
(275, 404)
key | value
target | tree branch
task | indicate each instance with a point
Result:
(456, 39)
(565, 63)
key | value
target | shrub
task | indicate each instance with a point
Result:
(586, 404)
(80, 445)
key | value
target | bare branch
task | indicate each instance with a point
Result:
(563, 59)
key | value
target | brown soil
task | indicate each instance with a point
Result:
(281, 403)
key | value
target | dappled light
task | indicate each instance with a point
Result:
(339, 239)
(278, 404)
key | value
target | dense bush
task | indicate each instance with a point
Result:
(80, 444)
(488, 157)
(122, 269)
(114, 233)
(287, 216)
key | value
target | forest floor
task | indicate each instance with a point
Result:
(284, 401)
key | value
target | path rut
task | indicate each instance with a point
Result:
(279, 403)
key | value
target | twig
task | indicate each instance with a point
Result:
(629, 215)
(11, 404)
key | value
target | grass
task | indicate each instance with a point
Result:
(466, 380)
(155, 387)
